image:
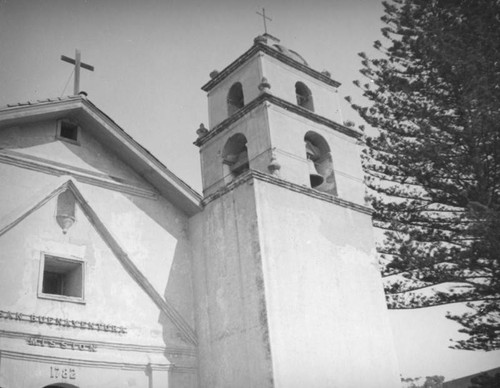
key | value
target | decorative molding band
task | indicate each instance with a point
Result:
(181, 369)
(63, 165)
(280, 103)
(238, 181)
(59, 169)
(47, 359)
(261, 47)
(127, 347)
(253, 174)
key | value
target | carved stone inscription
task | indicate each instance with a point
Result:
(55, 343)
(62, 322)
(57, 372)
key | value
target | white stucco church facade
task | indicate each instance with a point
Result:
(115, 273)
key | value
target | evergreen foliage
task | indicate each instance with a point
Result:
(429, 382)
(486, 380)
(433, 166)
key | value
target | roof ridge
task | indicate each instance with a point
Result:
(40, 101)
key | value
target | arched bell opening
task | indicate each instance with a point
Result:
(60, 385)
(320, 163)
(235, 99)
(235, 156)
(304, 96)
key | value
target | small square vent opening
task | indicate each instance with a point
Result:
(62, 277)
(68, 130)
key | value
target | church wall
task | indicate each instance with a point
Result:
(283, 78)
(254, 126)
(150, 230)
(37, 374)
(230, 306)
(287, 135)
(39, 142)
(270, 127)
(249, 75)
(325, 303)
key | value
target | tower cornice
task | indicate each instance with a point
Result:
(262, 47)
(283, 104)
(258, 175)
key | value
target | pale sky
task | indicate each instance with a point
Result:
(152, 56)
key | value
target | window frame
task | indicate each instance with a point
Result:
(66, 139)
(61, 298)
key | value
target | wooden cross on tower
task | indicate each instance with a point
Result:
(78, 63)
(264, 17)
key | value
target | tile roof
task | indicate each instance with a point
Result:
(35, 102)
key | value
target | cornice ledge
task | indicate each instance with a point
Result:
(283, 104)
(273, 53)
(81, 362)
(172, 351)
(240, 179)
(313, 116)
(89, 177)
(230, 68)
(311, 192)
(230, 120)
(254, 174)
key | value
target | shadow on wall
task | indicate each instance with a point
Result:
(178, 290)
(29, 135)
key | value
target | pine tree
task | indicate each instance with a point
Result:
(433, 166)
(486, 380)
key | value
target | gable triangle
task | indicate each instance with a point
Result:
(68, 183)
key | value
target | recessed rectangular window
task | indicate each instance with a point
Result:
(67, 130)
(62, 278)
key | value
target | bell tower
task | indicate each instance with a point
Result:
(287, 289)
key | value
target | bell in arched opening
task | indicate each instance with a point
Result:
(313, 153)
(238, 163)
(235, 155)
(235, 98)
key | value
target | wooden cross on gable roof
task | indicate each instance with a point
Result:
(264, 18)
(78, 63)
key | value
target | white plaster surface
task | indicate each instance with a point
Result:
(325, 304)
(152, 233)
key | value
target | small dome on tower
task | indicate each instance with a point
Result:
(273, 42)
(290, 53)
